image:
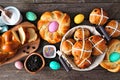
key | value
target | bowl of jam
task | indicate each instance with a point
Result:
(34, 63)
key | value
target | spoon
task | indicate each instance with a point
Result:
(7, 14)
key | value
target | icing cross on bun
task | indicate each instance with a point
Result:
(99, 44)
(111, 61)
(113, 28)
(83, 63)
(82, 49)
(53, 25)
(81, 34)
(98, 16)
(67, 46)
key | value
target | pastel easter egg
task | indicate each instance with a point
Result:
(79, 18)
(31, 16)
(18, 64)
(3, 28)
(54, 65)
(53, 26)
(114, 56)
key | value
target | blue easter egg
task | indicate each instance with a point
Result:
(3, 28)
(114, 56)
(31, 16)
(54, 65)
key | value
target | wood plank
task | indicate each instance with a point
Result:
(77, 1)
(9, 72)
(112, 8)
(102, 1)
(17, 1)
(59, 1)
(48, 74)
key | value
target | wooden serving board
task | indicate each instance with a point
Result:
(25, 49)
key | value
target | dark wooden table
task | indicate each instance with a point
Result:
(72, 7)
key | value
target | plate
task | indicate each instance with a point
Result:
(97, 60)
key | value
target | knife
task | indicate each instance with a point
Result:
(63, 62)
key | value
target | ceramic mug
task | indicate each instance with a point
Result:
(15, 18)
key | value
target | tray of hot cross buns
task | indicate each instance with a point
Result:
(84, 47)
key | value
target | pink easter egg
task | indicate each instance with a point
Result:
(18, 64)
(53, 26)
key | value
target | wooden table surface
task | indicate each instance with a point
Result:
(72, 7)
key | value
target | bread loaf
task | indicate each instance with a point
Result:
(53, 25)
(111, 61)
(13, 39)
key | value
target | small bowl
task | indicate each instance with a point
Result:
(34, 63)
(97, 59)
(49, 51)
(16, 16)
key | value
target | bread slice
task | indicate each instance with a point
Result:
(16, 36)
(22, 34)
(32, 34)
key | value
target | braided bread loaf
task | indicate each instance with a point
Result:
(15, 38)
(53, 25)
(111, 61)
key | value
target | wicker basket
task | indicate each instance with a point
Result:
(97, 60)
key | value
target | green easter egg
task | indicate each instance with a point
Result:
(31, 16)
(54, 65)
(114, 56)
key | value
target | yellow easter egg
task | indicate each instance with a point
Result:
(79, 18)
